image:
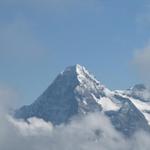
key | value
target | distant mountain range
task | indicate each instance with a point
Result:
(75, 92)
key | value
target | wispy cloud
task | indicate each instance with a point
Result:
(8, 98)
(142, 62)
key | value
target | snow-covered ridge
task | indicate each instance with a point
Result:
(83, 72)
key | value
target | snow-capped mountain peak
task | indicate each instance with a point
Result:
(81, 73)
(76, 92)
(72, 92)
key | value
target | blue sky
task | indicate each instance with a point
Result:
(39, 38)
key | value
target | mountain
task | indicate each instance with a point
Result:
(139, 91)
(76, 92)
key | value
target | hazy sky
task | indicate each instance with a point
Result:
(39, 38)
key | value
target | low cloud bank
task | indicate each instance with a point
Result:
(92, 132)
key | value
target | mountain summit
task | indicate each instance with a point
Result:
(76, 92)
(71, 93)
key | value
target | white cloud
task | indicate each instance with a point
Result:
(142, 62)
(34, 126)
(8, 98)
(91, 132)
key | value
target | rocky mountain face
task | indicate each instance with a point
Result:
(76, 92)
